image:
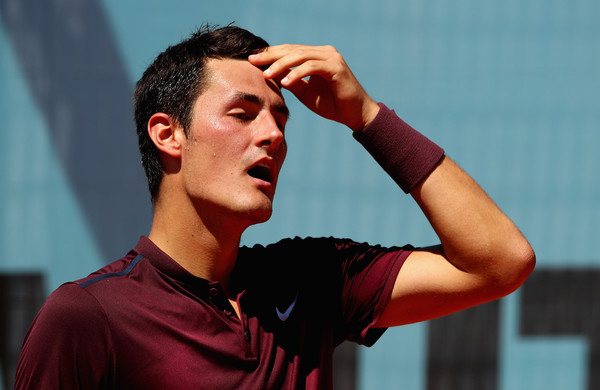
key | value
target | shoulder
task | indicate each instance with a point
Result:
(76, 307)
(70, 330)
(289, 252)
(69, 309)
(299, 245)
(319, 247)
(327, 254)
(121, 267)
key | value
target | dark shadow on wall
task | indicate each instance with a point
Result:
(21, 296)
(345, 366)
(75, 74)
(564, 302)
(463, 349)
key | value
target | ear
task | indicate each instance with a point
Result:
(166, 134)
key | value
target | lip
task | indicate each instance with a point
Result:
(271, 167)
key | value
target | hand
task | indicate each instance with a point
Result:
(331, 90)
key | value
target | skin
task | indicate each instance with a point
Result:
(207, 198)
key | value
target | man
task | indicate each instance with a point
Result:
(188, 308)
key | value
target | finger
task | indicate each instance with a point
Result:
(295, 60)
(302, 91)
(279, 77)
(273, 53)
(270, 54)
(285, 57)
(297, 88)
(325, 69)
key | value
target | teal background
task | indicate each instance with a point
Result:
(509, 89)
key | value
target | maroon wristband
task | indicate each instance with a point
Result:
(404, 153)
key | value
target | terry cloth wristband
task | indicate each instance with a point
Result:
(404, 153)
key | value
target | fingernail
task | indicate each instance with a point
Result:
(268, 72)
(285, 80)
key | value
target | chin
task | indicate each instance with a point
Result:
(261, 216)
(258, 214)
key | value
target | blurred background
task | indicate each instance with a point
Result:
(509, 89)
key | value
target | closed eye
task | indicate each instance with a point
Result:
(281, 121)
(241, 115)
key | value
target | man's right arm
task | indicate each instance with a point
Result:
(482, 255)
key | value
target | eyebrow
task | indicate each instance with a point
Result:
(249, 97)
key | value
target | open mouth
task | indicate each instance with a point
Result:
(261, 172)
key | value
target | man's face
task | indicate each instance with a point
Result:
(235, 145)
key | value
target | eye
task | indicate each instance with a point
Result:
(242, 116)
(281, 121)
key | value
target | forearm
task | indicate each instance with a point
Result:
(476, 236)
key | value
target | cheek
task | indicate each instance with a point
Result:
(281, 154)
(225, 143)
(215, 147)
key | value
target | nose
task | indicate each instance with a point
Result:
(270, 134)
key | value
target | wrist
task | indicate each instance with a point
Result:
(370, 111)
(404, 153)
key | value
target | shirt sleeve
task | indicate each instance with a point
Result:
(368, 274)
(67, 345)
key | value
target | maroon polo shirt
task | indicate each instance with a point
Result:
(143, 322)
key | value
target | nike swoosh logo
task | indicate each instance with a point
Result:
(286, 314)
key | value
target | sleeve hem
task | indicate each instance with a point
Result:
(370, 334)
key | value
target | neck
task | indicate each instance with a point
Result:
(206, 246)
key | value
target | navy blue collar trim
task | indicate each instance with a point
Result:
(127, 270)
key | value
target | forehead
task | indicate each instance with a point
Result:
(232, 77)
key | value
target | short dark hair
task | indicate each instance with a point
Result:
(172, 83)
